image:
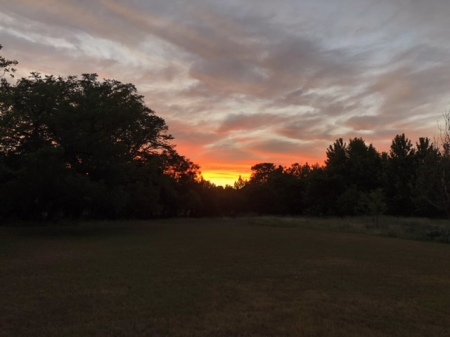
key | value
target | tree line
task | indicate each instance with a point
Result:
(83, 148)
(356, 179)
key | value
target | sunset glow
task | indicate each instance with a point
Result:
(244, 82)
(226, 176)
(222, 178)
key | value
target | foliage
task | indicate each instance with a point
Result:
(374, 204)
(80, 147)
(400, 174)
(7, 66)
(355, 180)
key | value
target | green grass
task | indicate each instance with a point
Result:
(221, 277)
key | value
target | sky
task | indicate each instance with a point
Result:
(252, 81)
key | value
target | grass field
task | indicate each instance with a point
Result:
(221, 277)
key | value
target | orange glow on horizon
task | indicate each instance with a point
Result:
(225, 174)
(223, 177)
(222, 174)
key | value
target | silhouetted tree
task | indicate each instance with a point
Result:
(7, 66)
(432, 189)
(317, 200)
(240, 183)
(336, 175)
(400, 174)
(429, 196)
(259, 192)
(83, 147)
(364, 165)
(262, 173)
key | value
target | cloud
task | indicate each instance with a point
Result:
(288, 151)
(358, 123)
(236, 122)
(244, 82)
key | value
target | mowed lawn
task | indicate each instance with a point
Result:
(223, 277)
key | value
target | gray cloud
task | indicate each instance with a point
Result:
(358, 123)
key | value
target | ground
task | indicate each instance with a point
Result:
(220, 277)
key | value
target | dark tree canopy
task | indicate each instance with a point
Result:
(78, 146)
(84, 116)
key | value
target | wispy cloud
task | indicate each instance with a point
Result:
(244, 82)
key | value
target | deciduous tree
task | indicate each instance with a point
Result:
(79, 145)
